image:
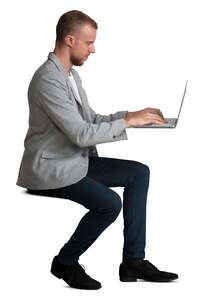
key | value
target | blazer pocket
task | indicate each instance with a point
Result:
(50, 155)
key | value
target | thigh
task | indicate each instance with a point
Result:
(87, 192)
(115, 172)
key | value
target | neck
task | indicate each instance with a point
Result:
(64, 58)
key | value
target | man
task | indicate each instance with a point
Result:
(61, 159)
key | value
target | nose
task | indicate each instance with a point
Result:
(93, 50)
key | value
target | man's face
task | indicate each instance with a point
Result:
(84, 45)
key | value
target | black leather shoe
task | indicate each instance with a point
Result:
(128, 271)
(74, 275)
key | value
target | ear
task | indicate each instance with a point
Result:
(69, 40)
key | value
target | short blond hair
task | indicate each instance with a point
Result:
(70, 22)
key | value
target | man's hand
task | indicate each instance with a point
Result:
(144, 117)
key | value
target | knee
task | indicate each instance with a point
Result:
(141, 170)
(146, 170)
(116, 203)
(145, 173)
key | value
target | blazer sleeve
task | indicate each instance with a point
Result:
(60, 108)
(97, 118)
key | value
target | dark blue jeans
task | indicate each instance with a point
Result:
(104, 205)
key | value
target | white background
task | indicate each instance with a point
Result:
(145, 51)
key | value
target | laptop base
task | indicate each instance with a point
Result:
(171, 123)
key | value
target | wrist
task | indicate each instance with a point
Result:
(127, 119)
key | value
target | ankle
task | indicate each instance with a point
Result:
(134, 259)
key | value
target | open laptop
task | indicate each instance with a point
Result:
(171, 122)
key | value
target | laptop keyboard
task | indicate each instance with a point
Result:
(170, 123)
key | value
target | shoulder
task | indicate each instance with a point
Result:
(47, 83)
(47, 75)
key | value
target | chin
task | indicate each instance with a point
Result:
(78, 63)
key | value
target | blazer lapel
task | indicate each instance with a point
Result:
(84, 106)
(74, 94)
(83, 103)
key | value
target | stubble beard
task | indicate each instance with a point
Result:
(76, 61)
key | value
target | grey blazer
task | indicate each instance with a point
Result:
(62, 132)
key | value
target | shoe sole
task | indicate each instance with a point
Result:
(133, 279)
(76, 287)
(128, 279)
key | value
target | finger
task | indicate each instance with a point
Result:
(156, 117)
(156, 110)
(161, 114)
